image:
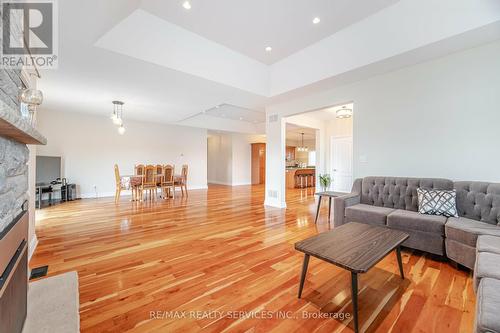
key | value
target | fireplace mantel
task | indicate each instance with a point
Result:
(17, 128)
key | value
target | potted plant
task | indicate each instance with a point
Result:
(325, 181)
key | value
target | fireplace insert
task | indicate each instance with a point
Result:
(14, 274)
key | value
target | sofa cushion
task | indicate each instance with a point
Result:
(437, 202)
(488, 244)
(367, 214)
(466, 231)
(487, 266)
(398, 192)
(479, 201)
(488, 303)
(405, 219)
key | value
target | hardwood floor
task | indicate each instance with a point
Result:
(218, 261)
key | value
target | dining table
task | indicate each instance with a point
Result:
(130, 182)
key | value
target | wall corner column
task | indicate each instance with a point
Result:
(275, 161)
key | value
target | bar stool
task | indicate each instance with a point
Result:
(310, 179)
(303, 180)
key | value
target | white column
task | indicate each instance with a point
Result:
(275, 161)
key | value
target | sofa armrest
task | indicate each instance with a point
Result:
(340, 204)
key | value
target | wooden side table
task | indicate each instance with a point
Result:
(330, 195)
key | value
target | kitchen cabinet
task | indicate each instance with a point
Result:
(293, 177)
(290, 153)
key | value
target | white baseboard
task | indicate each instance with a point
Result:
(219, 183)
(242, 184)
(228, 184)
(269, 202)
(32, 246)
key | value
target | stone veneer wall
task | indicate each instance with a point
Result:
(13, 155)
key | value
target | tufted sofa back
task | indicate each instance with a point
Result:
(479, 201)
(398, 192)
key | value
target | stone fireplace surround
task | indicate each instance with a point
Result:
(15, 134)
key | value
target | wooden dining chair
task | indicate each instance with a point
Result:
(149, 181)
(168, 182)
(139, 170)
(159, 175)
(181, 181)
(119, 184)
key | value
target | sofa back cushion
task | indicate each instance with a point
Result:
(479, 201)
(398, 192)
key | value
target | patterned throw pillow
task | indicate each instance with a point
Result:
(437, 202)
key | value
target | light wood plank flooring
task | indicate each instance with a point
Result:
(149, 267)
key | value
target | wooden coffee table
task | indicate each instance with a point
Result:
(355, 247)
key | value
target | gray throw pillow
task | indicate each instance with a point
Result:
(437, 202)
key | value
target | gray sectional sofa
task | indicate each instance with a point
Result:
(475, 233)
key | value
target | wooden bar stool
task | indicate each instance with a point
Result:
(303, 180)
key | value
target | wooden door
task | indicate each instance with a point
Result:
(258, 163)
(262, 164)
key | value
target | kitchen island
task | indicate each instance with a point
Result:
(294, 176)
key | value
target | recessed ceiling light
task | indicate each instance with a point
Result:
(241, 118)
(269, 49)
(187, 5)
(316, 20)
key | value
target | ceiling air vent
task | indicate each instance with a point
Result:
(273, 118)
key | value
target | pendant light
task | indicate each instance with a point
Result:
(117, 116)
(302, 147)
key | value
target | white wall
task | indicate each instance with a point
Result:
(90, 146)
(230, 158)
(220, 159)
(435, 119)
(242, 159)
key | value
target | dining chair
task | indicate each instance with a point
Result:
(139, 170)
(149, 181)
(159, 175)
(168, 181)
(119, 184)
(181, 181)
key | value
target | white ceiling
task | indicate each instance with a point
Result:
(89, 77)
(227, 111)
(249, 26)
(294, 132)
(329, 113)
(169, 65)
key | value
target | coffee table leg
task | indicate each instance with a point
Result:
(400, 263)
(304, 272)
(329, 208)
(354, 290)
(317, 209)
